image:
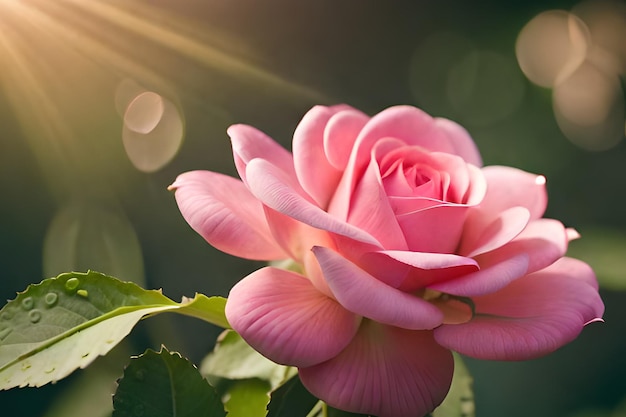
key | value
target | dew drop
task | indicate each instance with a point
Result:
(5, 332)
(71, 284)
(140, 375)
(82, 293)
(51, 299)
(34, 316)
(28, 303)
(7, 315)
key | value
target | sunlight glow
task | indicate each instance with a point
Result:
(61, 63)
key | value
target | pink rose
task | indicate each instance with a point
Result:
(396, 248)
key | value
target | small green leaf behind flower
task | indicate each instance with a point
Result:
(65, 323)
(460, 399)
(243, 376)
(164, 384)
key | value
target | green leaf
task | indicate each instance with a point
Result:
(291, 400)
(460, 399)
(233, 358)
(65, 323)
(247, 398)
(164, 384)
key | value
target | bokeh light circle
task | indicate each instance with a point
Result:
(144, 112)
(589, 108)
(551, 46)
(148, 147)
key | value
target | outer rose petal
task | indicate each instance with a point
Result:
(363, 294)
(222, 210)
(544, 240)
(316, 174)
(282, 316)
(484, 233)
(509, 187)
(531, 317)
(270, 186)
(339, 136)
(385, 371)
(250, 143)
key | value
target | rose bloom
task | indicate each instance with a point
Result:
(392, 247)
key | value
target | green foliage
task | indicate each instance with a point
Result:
(164, 384)
(65, 323)
(243, 375)
(460, 399)
(291, 399)
(247, 398)
(234, 359)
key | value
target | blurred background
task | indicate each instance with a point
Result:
(104, 103)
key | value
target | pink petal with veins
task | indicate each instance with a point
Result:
(363, 294)
(285, 318)
(385, 371)
(222, 210)
(530, 317)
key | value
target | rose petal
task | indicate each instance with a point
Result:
(407, 123)
(483, 234)
(250, 143)
(509, 187)
(361, 293)
(282, 316)
(315, 173)
(461, 141)
(436, 229)
(222, 210)
(370, 210)
(531, 317)
(411, 271)
(339, 136)
(543, 240)
(385, 371)
(489, 279)
(270, 186)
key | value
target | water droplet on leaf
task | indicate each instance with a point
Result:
(82, 293)
(51, 299)
(7, 315)
(71, 284)
(28, 303)
(34, 316)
